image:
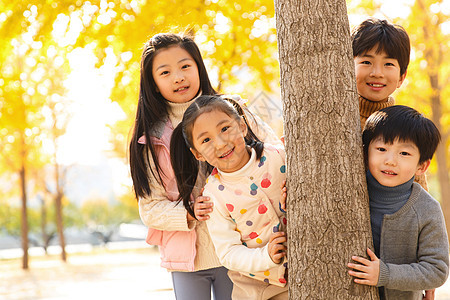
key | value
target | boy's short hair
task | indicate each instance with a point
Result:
(390, 38)
(403, 123)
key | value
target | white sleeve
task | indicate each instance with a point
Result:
(158, 212)
(229, 248)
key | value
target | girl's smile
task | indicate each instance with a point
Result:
(227, 154)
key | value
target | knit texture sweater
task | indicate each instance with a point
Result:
(414, 251)
(384, 200)
(367, 107)
(176, 111)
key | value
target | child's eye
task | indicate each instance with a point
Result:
(403, 153)
(225, 128)
(164, 73)
(390, 64)
(185, 66)
(365, 62)
(206, 140)
(381, 149)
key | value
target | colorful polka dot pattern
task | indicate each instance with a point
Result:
(262, 209)
(253, 188)
(255, 221)
(261, 161)
(265, 183)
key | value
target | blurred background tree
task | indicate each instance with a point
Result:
(38, 100)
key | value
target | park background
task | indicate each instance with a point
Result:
(68, 93)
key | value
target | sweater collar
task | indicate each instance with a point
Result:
(388, 199)
(367, 107)
(176, 110)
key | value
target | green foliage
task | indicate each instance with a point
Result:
(9, 219)
(98, 212)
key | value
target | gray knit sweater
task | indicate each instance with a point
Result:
(414, 250)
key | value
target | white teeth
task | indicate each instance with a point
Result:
(226, 154)
(181, 89)
(376, 85)
(390, 173)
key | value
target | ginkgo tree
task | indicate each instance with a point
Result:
(27, 83)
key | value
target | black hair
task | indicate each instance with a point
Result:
(405, 124)
(184, 163)
(152, 108)
(390, 38)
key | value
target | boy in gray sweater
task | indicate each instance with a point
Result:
(408, 228)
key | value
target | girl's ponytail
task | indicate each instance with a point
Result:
(185, 167)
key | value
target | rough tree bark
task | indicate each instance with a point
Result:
(328, 209)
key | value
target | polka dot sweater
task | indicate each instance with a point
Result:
(246, 212)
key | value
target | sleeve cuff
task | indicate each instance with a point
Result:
(383, 277)
(270, 263)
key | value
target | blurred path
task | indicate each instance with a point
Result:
(101, 274)
(108, 274)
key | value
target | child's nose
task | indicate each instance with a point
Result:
(390, 160)
(179, 77)
(376, 71)
(220, 142)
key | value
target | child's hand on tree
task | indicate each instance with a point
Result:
(276, 248)
(367, 271)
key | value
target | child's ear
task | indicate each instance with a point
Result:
(197, 154)
(423, 167)
(402, 78)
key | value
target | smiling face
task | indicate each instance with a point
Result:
(176, 74)
(219, 139)
(377, 75)
(394, 164)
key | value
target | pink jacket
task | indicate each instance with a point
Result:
(177, 248)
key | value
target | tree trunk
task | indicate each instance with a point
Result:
(59, 193)
(24, 216)
(60, 225)
(44, 234)
(441, 158)
(59, 213)
(328, 208)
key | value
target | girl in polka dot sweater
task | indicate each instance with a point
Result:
(247, 219)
